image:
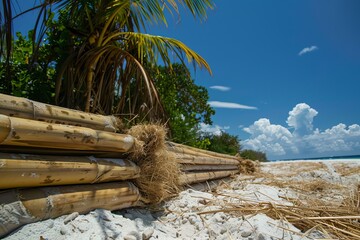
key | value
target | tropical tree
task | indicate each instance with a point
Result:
(223, 143)
(107, 50)
(253, 155)
(30, 80)
(185, 103)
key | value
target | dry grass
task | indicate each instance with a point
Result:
(338, 222)
(346, 169)
(289, 169)
(159, 171)
(335, 218)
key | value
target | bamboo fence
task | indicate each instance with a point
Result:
(28, 109)
(22, 206)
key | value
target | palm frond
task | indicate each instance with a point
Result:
(152, 47)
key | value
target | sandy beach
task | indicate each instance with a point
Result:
(283, 200)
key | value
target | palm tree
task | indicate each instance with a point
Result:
(105, 70)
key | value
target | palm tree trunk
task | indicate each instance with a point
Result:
(89, 84)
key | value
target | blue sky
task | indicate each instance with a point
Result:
(294, 65)
(285, 73)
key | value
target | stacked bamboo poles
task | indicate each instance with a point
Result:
(22, 206)
(30, 133)
(199, 165)
(28, 109)
(83, 182)
(52, 132)
(23, 170)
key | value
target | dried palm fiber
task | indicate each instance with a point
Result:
(22, 206)
(22, 170)
(195, 177)
(179, 148)
(200, 160)
(25, 108)
(190, 167)
(159, 171)
(248, 166)
(23, 132)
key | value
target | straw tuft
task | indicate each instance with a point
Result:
(159, 178)
(247, 166)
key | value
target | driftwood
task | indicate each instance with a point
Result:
(30, 133)
(22, 206)
(25, 108)
(20, 170)
(190, 177)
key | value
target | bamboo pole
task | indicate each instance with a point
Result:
(25, 108)
(20, 170)
(199, 160)
(187, 167)
(189, 178)
(179, 148)
(22, 206)
(22, 132)
(59, 152)
(210, 185)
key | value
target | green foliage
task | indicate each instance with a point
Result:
(185, 103)
(99, 50)
(30, 77)
(253, 155)
(109, 54)
(223, 143)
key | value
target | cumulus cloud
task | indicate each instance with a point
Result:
(308, 50)
(221, 88)
(217, 104)
(299, 139)
(213, 129)
(301, 119)
(339, 138)
(268, 137)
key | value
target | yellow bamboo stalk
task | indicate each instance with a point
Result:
(187, 167)
(209, 185)
(30, 133)
(25, 108)
(22, 206)
(60, 152)
(189, 178)
(21, 170)
(200, 160)
(179, 148)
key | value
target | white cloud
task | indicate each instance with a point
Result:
(308, 50)
(338, 138)
(218, 104)
(302, 141)
(301, 119)
(215, 130)
(269, 138)
(220, 88)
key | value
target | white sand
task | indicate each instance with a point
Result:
(184, 218)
